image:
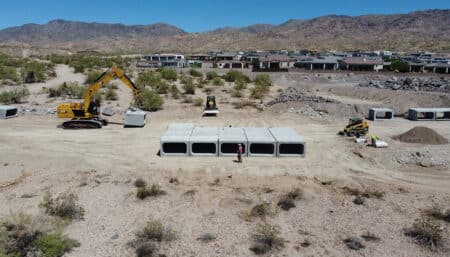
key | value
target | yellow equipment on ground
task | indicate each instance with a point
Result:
(211, 107)
(87, 113)
(356, 127)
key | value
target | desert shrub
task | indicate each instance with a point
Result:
(260, 210)
(55, 244)
(236, 93)
(64, 206)
(353, 243)
(154, 191)
(7, 72)
(111, 95)
(14, 96)
(437, 213)
(287, 201)
(148, 78)
(71, 89)
(208, 90)
(24, 236)
(217, 81)
(161, 88)
(195, 73)
(186, 79)
(175, 92)
(147, 249)
(359, 200)
(148, 239)
(263, 80)
(210, 75)
(34, 72)
(425, 232)
(189, 88)
(399, 65)
(198, 101)
(259, 92)
(112, 86)
(140, 183)
(92, 77)
(234, 75)
(240, 84)
(81, 63)
(149, 100)
(266, 239)
(169, 74)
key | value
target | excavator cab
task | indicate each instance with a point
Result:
(211, 107)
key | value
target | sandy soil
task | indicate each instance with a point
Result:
(101, 165)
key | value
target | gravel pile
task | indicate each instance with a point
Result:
(293, 94)
(421, 135)
(412, 84)
(424, 159)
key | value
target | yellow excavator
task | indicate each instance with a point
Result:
(87, 113)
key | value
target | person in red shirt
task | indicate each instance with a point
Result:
(239, 153)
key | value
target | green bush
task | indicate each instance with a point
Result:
(149, 100)
(169, 74)
(7, 72)
(189, 88)
(240, 84)
(71, 89)
(174, 91)
(55, 244)
(148, 78)
(211, 75)
(195, 73)
(234, 75)
(237, 93)
(399, 65)
(259, 92)
(217, 81)
(111, 95)
(92, 77)
(34, 72)
(14, 96)
(263, 80)
(186, 79)
(81, 63)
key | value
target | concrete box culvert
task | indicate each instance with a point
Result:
(260, 142)
(416, 114)
(442, 114)
(175, 142)
(229, 140)
(381, 114)
(7, 112)
(289, 142)
(204, 141)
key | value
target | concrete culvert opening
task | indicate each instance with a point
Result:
(174, 148)
(260, 148)
(292, 149)
(11, 112)
(384, 115)
(231, 148)
(443, 115)
(204, 148)
(425, 115)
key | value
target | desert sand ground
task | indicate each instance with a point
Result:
(100, 166)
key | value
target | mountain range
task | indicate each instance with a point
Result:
(428, 30)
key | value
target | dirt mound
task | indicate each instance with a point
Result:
(421, 135)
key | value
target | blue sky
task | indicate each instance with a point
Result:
(199, 15)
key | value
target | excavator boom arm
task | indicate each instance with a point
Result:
(112, 73)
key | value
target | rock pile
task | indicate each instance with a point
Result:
(412, 84)
(293, 94)
(424, 159)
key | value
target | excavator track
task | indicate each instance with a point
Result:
(82, 124)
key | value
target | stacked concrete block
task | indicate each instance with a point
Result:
(229, 139)
(417, 114)
(204, 141)
(381, 114)
(288, 142)
(135, 118)
(260, 142)
(175, 142)
(7, 111)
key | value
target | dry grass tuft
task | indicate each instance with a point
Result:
(425, 232)
(287, 201)
(353, 243)
(260, 210)
(64, 206)
(206, 238)
(367, 193)
(154, 191)
(140, 183)
(148, 239)
(266, 239)
(438, 213)
(370, 237)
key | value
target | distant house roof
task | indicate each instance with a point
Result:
(362, 61)
(276, 58)
(321, 60)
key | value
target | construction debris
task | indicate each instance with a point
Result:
(412, 84)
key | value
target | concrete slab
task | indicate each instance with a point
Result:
(260, 142)
(289, 142)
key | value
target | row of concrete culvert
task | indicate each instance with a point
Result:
(414, 114)
(185, 139)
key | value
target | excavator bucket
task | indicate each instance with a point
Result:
(211, 107)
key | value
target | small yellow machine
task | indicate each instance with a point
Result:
(356, 127)
(210, 107)
(87, 113)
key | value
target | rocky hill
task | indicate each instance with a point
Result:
(428, 30)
